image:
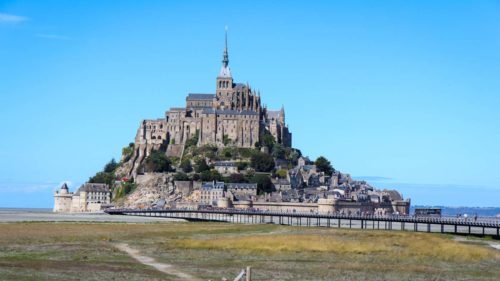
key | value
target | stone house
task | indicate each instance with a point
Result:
(281, 184)
(226, 167)
(211, 192)
(90, 197)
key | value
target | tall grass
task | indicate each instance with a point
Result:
(402, 246)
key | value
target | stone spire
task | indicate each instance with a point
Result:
(225, 59)
(225, 71)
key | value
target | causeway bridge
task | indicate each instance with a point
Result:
(481, 226)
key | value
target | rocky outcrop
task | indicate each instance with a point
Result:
(151, 188)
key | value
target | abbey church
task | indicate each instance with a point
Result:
(232, 116)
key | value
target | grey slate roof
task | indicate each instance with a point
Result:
(242, 186)
(239, 86)
(93, 187)
(192, 96)
(308, 167)
(225, 164)
(228, 112)
(211, 185)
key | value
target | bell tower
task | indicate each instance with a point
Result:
(224, 84)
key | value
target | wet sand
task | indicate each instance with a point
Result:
(45, 215)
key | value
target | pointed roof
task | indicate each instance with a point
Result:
(64, 186)
(225, 71)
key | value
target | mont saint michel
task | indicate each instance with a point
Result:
(249, 140)
(225, 149)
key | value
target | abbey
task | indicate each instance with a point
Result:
(232, 116)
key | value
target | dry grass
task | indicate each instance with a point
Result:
(84, 251)
(404, 246)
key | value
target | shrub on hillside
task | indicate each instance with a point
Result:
(262, 162)
(323, 165)
(201, 166)
(186, 166)
(179, 176)
(157, 162)
(264, 184)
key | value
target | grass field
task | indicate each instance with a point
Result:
(86, 251)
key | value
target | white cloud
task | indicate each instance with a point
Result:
(6, 18)
(52, 36)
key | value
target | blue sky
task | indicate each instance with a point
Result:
(405, 94)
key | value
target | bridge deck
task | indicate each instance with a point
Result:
(480, 226)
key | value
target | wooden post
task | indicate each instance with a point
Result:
(249, 274)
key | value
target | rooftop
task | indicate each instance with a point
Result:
(193, 96)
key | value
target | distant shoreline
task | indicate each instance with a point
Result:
(3, 209)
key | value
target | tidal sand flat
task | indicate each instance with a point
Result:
(203, 251)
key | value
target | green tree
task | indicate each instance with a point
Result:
(206, 176)
(226, 140)
(212, 175)
(242, 165)
(193, 141)
(323, 165)
(186, 166)
(264, 184)
(127, 152)
(293, 155)
(157, 162)
(262, 162)
(129, 186)
(278, 151)
(110, 166)
(236, 178)
(281, 173)
(196, 177)
(201, 166)
(103, 177)
(266, 139)
(180, 176)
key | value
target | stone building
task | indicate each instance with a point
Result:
(62, 200)
(232, 115)
(226, 167)
(211, 192)
(90, 197)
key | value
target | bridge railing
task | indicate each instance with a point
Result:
(480, 221)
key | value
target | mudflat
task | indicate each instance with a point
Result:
(45, 215)
(203, 251)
